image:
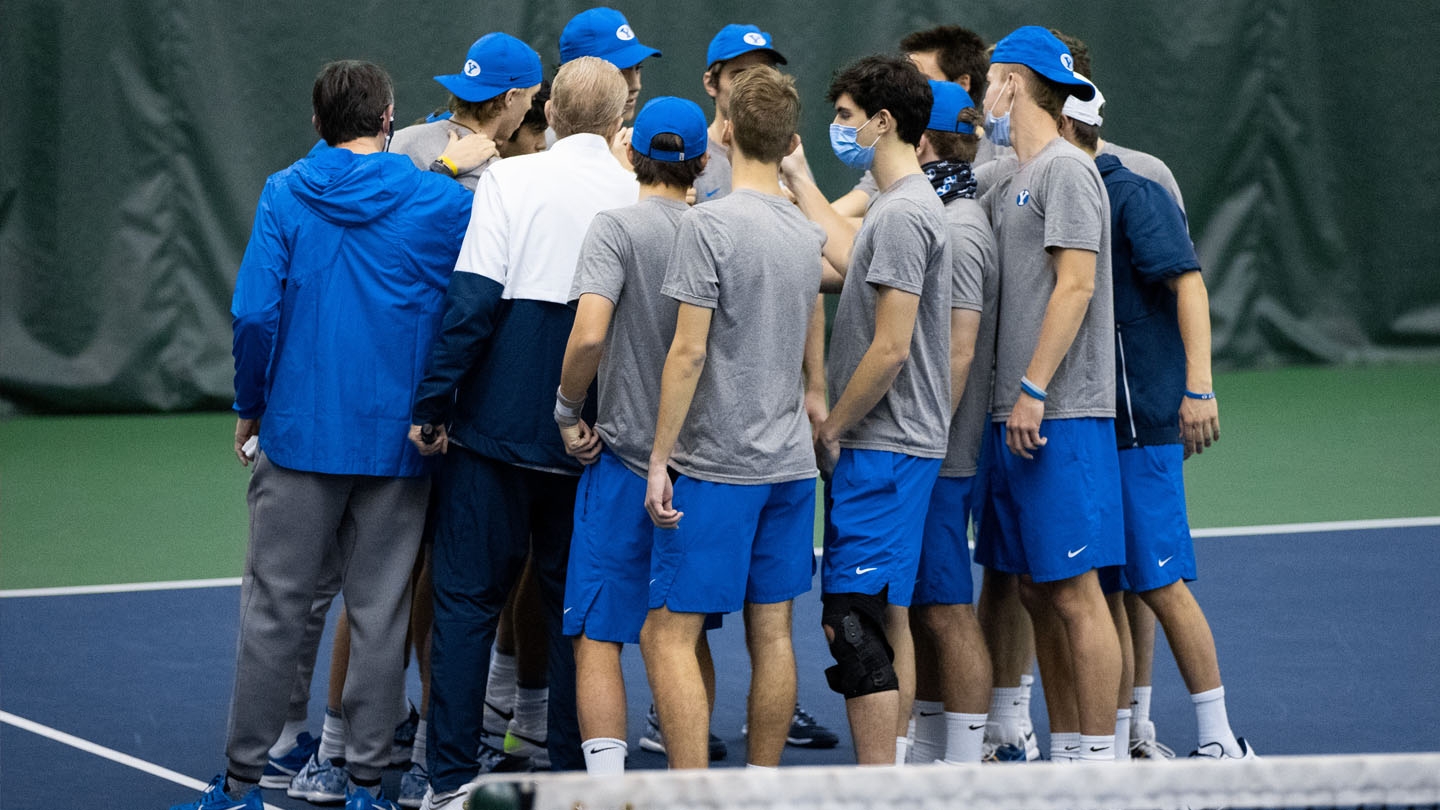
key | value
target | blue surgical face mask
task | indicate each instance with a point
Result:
(844, 141)
(997, 130)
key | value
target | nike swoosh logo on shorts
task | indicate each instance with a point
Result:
(567, 610)
(1167, 559)
(1077, 551)
(859, 571)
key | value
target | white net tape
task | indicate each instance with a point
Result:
(1381, 780)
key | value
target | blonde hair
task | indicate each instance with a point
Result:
(764, 113)
(588, 95)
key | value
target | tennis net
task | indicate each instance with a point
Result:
(1368, 781)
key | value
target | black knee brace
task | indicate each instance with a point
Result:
(864, 661)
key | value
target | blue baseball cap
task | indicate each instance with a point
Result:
(1043, 52)
(603, 32)
(950, 99)
(495, 63)
(735, 39)
(676, 116)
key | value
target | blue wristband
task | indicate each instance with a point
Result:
(1192, 395)
(1032, 389)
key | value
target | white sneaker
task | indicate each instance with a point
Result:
(1214, 750)
(448, 800)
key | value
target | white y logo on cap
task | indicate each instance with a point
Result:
(472, 68)
(1067, 62)
(624, 32)
(753, 38)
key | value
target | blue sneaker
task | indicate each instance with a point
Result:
(359, 798)
(413, 784)
(215, 798)
(319, 782)
(279, 771)
(404, 739)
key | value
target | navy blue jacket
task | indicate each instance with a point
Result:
(1150, 245)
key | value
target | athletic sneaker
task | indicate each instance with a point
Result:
(456, 799)
(652, 740)
(320, 782)
(215, 798)
(1214, 750)
(1143, 744)
(280, 770)
(359, 798)
(1026, 749)
(519, 745)
(494, 760)
(404, 739)
(806, 733)
(413, 784)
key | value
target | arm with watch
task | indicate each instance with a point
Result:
(1199, 410)
(463, 155)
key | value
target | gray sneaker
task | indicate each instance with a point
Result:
(319, 782)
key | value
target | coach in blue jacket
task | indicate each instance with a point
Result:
(337, 302)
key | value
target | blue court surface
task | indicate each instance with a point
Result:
(1329, 643)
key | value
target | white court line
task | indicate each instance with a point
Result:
(1230, 531)
(107, 753)
(124, 587)
(1329, 526)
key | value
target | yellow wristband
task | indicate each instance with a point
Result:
(450, 164)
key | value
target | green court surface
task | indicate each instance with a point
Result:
(105, 499)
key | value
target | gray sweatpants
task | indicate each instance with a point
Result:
(300, 524)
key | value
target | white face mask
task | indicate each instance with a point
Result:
(997, 130)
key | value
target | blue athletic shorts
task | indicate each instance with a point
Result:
(1058, 515)
(737, 543)
(607, 582)
(880, 501)
(1158, 549)
(944, 577)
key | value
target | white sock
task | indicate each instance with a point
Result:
(1008, 714)
(531, 712)
(902, 749)
(1214, 724)
(1097, 748)
(750, 766)
(332, 737)
(417, 754)
(1140, 705)
(1122, 734)
(293, 729)
(604, 756)
(927, 723)
(1065, 746)
(964, 737)
(499, 693)
(1026, 681)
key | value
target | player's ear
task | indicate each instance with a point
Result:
(315, 124)
(549, 114)
(794, 144)
(704, 161)
(964, 81)
(727, 134)
(711, 81)
(511, 95)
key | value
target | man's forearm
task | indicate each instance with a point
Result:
(814, 364)
(1065, 312)
(677, 391)
(1193, 307)
(839, 233)
(471, 306)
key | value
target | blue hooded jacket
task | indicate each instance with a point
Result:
(337, 302)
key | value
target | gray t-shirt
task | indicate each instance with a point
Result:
(754, 260)
(1056, 200)
(623, 258)
(902, 244)
(714, 182)
(423, 143)
(976, 277)
(1147, 166)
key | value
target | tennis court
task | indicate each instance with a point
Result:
(1322, 607)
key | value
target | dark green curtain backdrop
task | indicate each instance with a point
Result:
(135, 136)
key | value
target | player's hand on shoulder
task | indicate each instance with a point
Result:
(469, 152)
(620, 147)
